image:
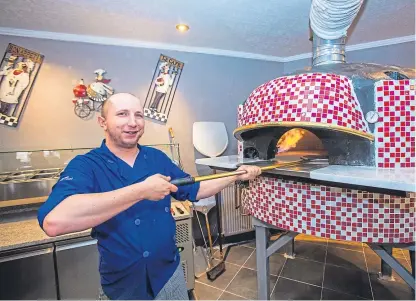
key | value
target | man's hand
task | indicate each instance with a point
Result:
(157, 187)
(252, 172)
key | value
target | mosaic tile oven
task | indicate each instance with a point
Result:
(364, 115)
(331, 212)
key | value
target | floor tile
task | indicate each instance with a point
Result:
(224, 279)
(292, 290)
(390, 290)
(311, 239)
(397, 253)
(245, 284)
(275, 236)
(251, 244)
(346, 258)
(349, 281)
(334, 295)
(310, 251)
(373, 262)
(276, 262)
(311, 272)
(229, 296)
(205, 292)
(238, 254)
(406, 254)
(349, 245)
(369, 251)
(374, 265)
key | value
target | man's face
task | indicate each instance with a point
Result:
(123, 121)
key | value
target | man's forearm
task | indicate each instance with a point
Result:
(83, 211)
(211, 187)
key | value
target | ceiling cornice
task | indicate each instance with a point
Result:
(356, 47)
(67, 37)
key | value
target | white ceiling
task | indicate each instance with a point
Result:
(275, 28)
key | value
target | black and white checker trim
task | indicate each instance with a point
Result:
(155, 115)
(8, 120)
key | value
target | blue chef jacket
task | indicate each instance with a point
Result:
(137, 247)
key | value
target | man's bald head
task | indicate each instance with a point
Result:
(122, 119)
(117, 97)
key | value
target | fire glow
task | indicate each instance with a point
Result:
(289, 140)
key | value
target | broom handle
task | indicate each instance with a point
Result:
(219, 221)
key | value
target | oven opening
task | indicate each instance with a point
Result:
(300, 142)
(338, 147)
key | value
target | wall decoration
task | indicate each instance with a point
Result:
(90, 98)
(18, 70)
(162, 88)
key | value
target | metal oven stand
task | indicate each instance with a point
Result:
(264, 249)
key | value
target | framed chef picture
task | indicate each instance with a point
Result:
(162, 88)
(18, 70)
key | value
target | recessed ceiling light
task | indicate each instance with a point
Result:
(182, 27)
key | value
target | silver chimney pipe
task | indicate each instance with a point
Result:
(327, 51)
(330, 20)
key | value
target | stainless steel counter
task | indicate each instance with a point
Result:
(402, 179)
(27, 183)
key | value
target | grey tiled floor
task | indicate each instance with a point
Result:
(321, 270)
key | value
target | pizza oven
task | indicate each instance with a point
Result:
(338, 140)
(364, 114)
(350, 126)
(345, 116)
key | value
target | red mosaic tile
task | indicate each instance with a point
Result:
(309, 97)
(395, 131)
(335, 213)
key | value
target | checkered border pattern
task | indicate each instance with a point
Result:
(331, 212)
(7, 120)
(240, 111)
(155, 115)
(395, 133)
(309, 97)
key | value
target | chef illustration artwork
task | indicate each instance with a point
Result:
(15, 81)
(163, 82)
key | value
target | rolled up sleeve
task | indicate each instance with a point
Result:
(77, 178)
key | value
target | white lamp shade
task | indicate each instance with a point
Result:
(210, 138)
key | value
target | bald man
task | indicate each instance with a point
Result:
(122, 191)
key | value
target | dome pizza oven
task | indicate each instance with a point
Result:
(347, 133)
(364, 114)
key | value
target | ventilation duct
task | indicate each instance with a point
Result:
(330, 20)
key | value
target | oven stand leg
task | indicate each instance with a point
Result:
(386, 270)
(262, 261)
(387, 257)
(290, 253)
(264, 250)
